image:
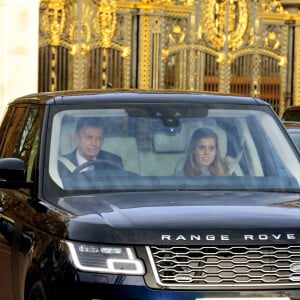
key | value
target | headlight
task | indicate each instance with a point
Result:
(105, 259)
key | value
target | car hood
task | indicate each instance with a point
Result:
(184, 217)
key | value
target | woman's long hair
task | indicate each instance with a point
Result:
(191, 166)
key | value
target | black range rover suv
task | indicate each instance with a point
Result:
(145, 227)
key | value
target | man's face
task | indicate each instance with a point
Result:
(89, 142)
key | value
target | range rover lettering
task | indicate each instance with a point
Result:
(146, 195)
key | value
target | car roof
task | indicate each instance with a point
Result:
(295, 107)
(291, 124)
(133, 96)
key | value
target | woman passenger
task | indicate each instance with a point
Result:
(203, 157)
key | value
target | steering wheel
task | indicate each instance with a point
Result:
(103, 163)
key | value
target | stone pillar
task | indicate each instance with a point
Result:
(19, 23)
(293, 70)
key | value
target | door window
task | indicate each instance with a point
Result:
(23, 132)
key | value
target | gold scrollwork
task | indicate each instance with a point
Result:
(54, 21)
(125, 52)
(226, 21)
(165, 54)
(107, 21)
(270, 6)
(271, 40)
(177, 35)
(168, 3)
(80, 35)
(282, 61)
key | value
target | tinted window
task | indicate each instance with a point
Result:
(22, 138)
(12, 125)
(153, 143)
(291, 115)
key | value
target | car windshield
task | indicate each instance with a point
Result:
(168, 147)
(295, 135)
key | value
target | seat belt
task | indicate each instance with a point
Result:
(67, 163)
(236, 161)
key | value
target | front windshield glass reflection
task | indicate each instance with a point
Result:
(165, 147)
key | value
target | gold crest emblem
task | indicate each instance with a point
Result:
(226, 21)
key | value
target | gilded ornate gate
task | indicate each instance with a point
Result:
(84, 44)
(237, 46)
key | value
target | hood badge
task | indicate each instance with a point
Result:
(227, 237)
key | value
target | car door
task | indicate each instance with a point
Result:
(19, 134)
(6, 228)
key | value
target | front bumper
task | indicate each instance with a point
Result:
(89, 286)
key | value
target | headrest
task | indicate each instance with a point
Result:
(67, 143)
(127, 148)
(163, 142)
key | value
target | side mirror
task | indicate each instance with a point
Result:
(12, 170)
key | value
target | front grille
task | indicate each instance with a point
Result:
(226, 266)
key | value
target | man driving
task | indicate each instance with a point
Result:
(89, 137)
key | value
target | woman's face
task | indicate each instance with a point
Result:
(205, 152)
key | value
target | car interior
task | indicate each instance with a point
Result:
(149, 148)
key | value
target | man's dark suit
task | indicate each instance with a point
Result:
(65, 172)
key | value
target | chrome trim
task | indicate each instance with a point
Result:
(277, 260)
